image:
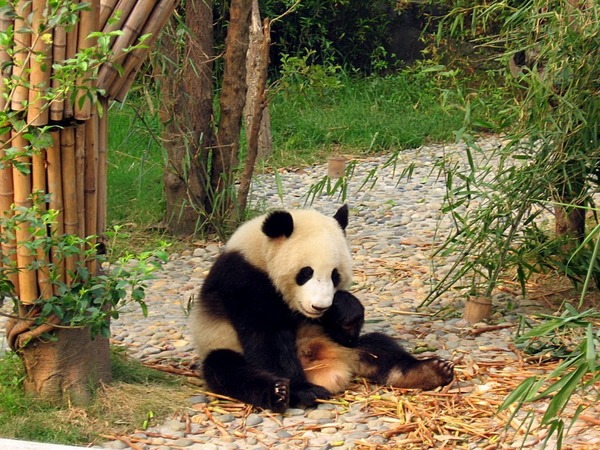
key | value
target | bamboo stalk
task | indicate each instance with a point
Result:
(91, 183)
(54, 165)
(22, 192)
(80, 180)
(71, 50)
(40, 63)
(38, 184)
(155, 23)
(6, 200)
(124, 7)
(131, 30)
(107, 8)
(88, 23)
(21, 55)
(5, 22)
(69, 179)
(102, 167)
(59, 53)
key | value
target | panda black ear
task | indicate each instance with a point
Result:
(278, 224)
(342, 216)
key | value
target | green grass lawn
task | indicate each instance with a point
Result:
(361, 116)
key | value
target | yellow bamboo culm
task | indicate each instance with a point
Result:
(6, 200)
(80, 180)
(91, 183)
(107, 9)
(70, 52)
(88, 23)
(28, 291)
(39, 184)
(131, 29)
(40, 64)
(22, 39)
(69, 177)
(156, 22)
(5, 60)
(102, 167)
(53, 161)
(59, 54)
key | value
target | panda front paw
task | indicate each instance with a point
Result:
(280, 396)
(306, 394)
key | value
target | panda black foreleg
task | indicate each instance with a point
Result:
(344, 319)
(384, 361)
(228, 373)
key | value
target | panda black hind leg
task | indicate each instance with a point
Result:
(384, 361)
(228, 373)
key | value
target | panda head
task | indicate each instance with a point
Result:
(304, 253)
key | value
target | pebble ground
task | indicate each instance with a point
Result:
(394, 225)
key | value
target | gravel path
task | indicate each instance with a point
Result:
(392, 228)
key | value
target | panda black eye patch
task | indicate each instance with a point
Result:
(335, 277)
(304, 275)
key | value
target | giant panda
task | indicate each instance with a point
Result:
(278, 288)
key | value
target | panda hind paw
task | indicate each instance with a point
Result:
(426, 374)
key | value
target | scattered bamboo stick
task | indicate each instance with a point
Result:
(22, 193)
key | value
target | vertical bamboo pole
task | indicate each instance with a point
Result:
(88, 23)
(53, 160)
(102, 167)
(21, 51)
(91, 182)
(80, 180)
(5, 59)
(69, 178)
(59, 53)
(38, 184)
(22, 186)
(6, 200)
(37, 110)
(70, 51)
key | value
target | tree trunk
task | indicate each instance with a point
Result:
(66, 369)
(232, 100)
(187, 111)
(256, 61)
